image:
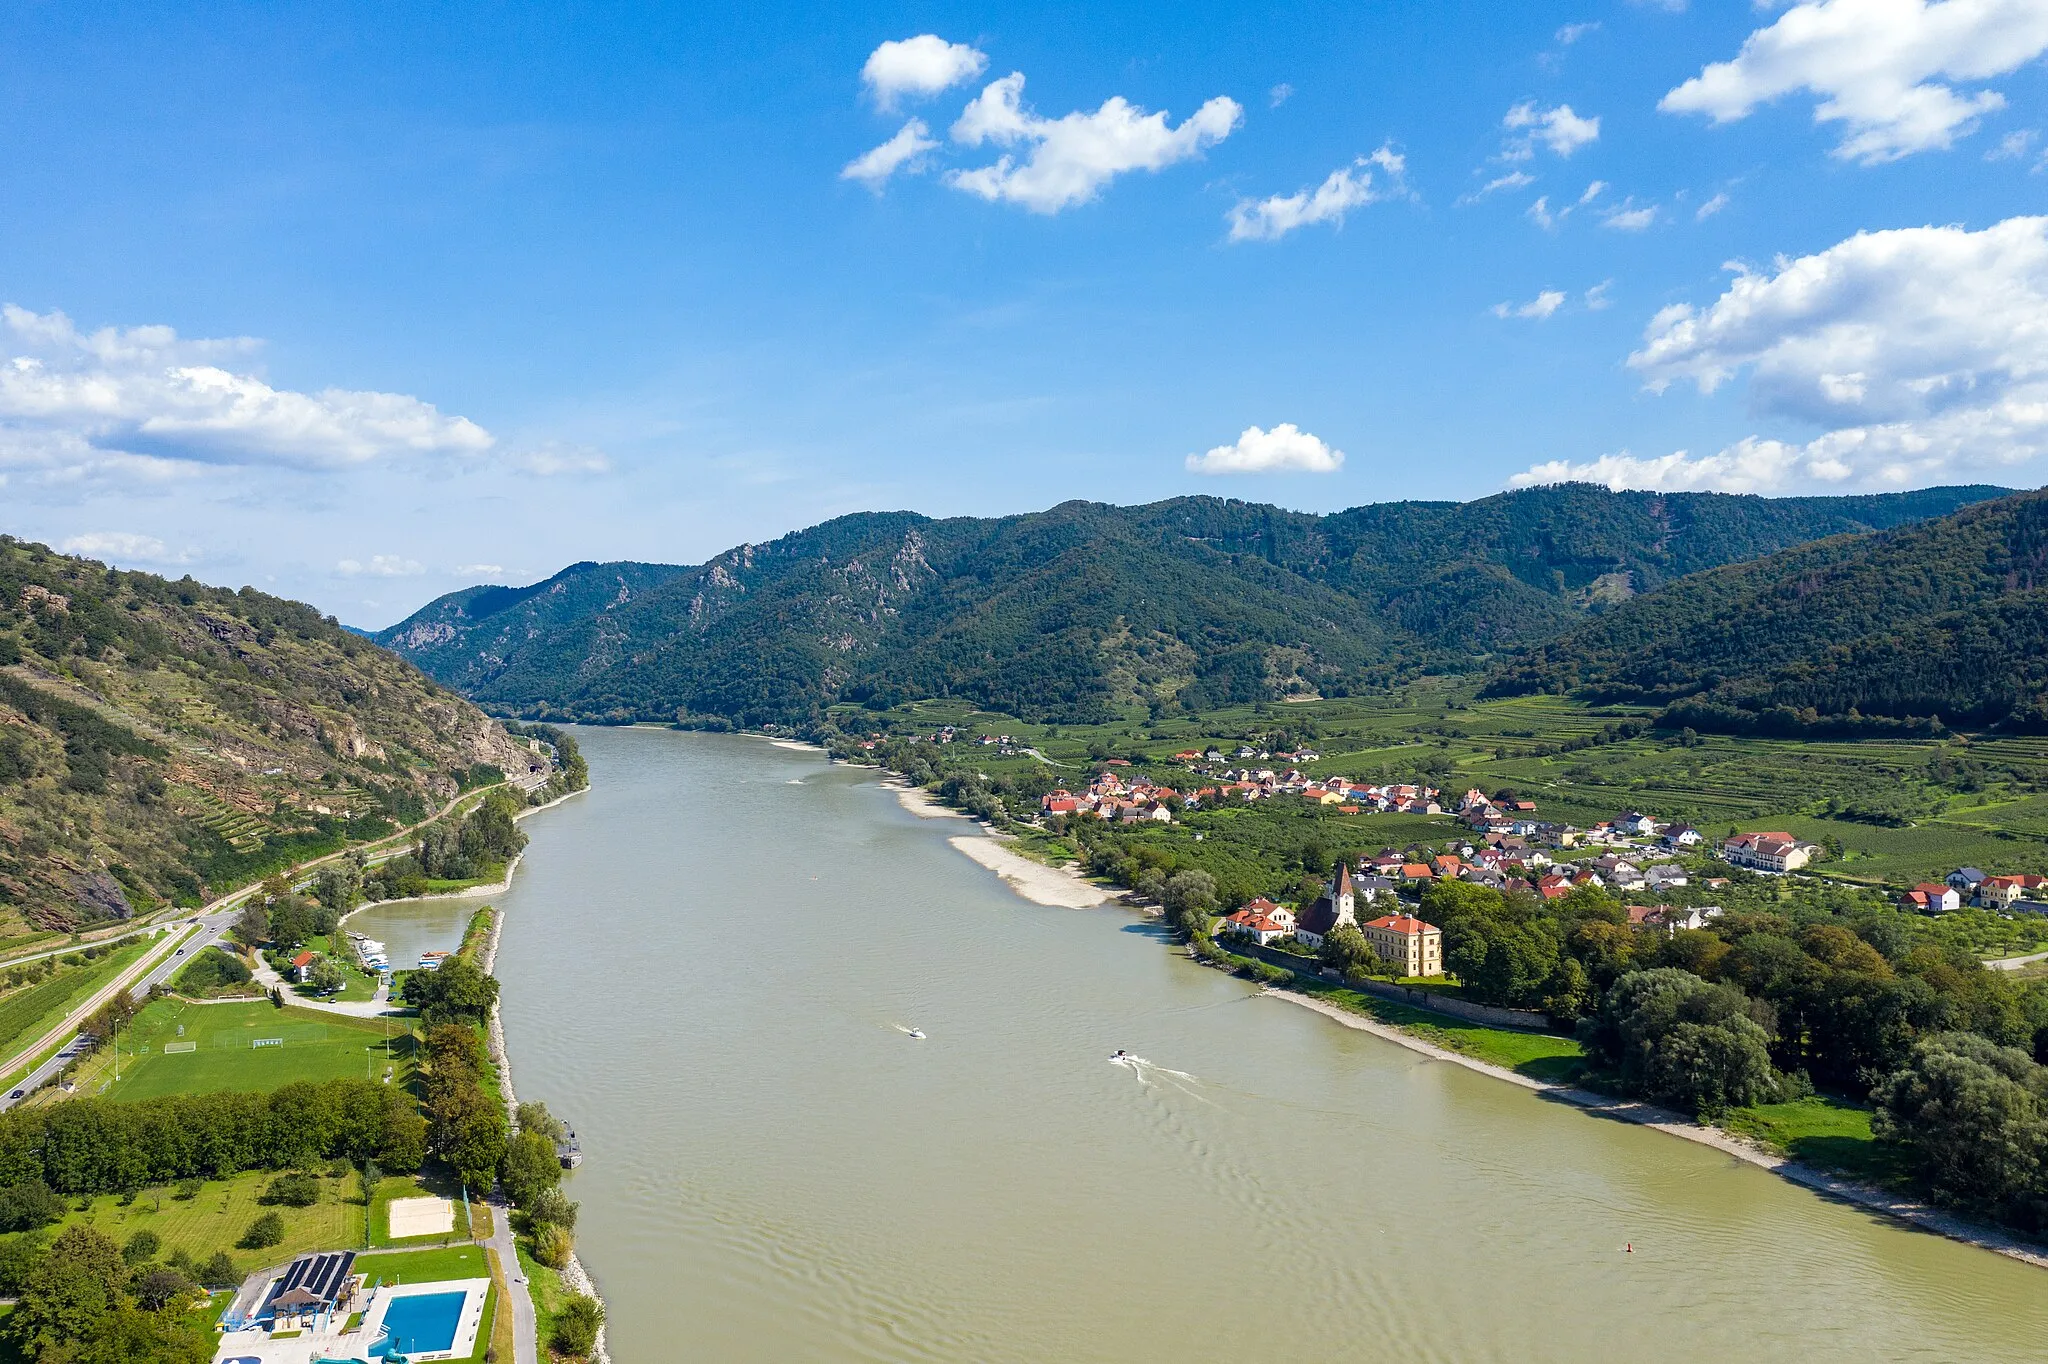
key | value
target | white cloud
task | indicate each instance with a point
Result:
(1512, 180)
(477, 570)
(1710, 207)
(1279, 95)
(120, 546)
(1345, 188)
(1596, 299)
(1918, 354)
(1540, 212)
(381, 566)
(907, 149)
(1571, 33)
(1626, 217)
(1559, 129)
(2012, 146)
(1539, 307)
(919, 67)
(1285, 449)
(1878, 67)
(144, 400)
(1070, 159)
(552, 459)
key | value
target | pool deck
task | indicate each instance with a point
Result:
(260, 1347)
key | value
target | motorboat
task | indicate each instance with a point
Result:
(917, 1033)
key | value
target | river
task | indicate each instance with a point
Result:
(708, 962)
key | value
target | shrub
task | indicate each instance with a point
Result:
(576, 1326)
(552, 1207)
(143, 1245)
(265, 1231)
(293, 1190)
(552, 1245)
(188, 1189)
(219, 1269)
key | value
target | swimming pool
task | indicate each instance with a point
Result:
(420, 1323)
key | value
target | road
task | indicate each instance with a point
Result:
(525, 1335)
(155, 967)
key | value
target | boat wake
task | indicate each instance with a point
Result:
(908, 1031)
(1153, 1076)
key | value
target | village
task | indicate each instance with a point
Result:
(1506, 847)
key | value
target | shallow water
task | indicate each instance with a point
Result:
(711, 958)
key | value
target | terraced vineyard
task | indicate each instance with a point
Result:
(242, 831)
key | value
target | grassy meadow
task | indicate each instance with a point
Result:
(308, 1045)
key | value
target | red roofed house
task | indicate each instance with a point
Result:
(1262, 920)
(1935, 897)
(1766, 852)
(1415, 947)
(302, 966)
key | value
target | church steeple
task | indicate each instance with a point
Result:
(1341, 894)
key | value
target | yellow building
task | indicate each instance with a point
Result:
(1404, 941)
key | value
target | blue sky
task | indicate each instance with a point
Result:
(362, 303)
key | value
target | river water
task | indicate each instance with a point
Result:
(708, 960)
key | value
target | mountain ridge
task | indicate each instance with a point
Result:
(1084, 609)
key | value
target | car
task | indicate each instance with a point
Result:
(17, 1094)
(179, 953)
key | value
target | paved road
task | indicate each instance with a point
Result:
(525, 1336)
(159, 968)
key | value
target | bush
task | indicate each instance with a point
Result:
(143, 1245)
(218, 1271)
(576, 1326)
(552, 1245)
(265, 1231)
(188, 1189)
(552, 1207)
(294, 1190)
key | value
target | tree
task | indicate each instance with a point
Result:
(1672, 1037)
(328, 978)
(460, 992)
(531, 1167)
(70, 1293)
(264, 1232)
(159, 1287)
(1972, 1118)
(552, 1208)
(1346, 949)
(143, 1245)
(553, 1244)
(24, 1207)
(534, 1116)
(252, 929)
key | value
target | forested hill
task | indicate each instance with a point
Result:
(1946, 619)
(162, 739)
(1076, 611)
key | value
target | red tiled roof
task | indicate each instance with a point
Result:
(303, 959)
(1406, 924)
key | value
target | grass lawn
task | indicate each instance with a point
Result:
(424, 1266)
(309, 1046)
(218, 1216)
(407, 1186)
(34, 1009)
(502, 1342)
(548, 1291)
(1827, 1133)
(1538, 1055)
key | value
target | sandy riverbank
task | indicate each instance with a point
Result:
(920, 803)
(1036, 882)
(1663, 1120)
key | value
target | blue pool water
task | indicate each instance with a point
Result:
(420, 1324)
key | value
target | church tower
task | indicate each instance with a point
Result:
(1341, 895)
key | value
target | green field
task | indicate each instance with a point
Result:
(1829, 1134)
(33, 1010)
(308, 1045)
(221, 1212)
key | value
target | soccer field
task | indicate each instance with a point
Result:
(180, 1048)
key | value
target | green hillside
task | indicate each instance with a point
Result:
(1088, 611)
(1880, 634)
(160, 740)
